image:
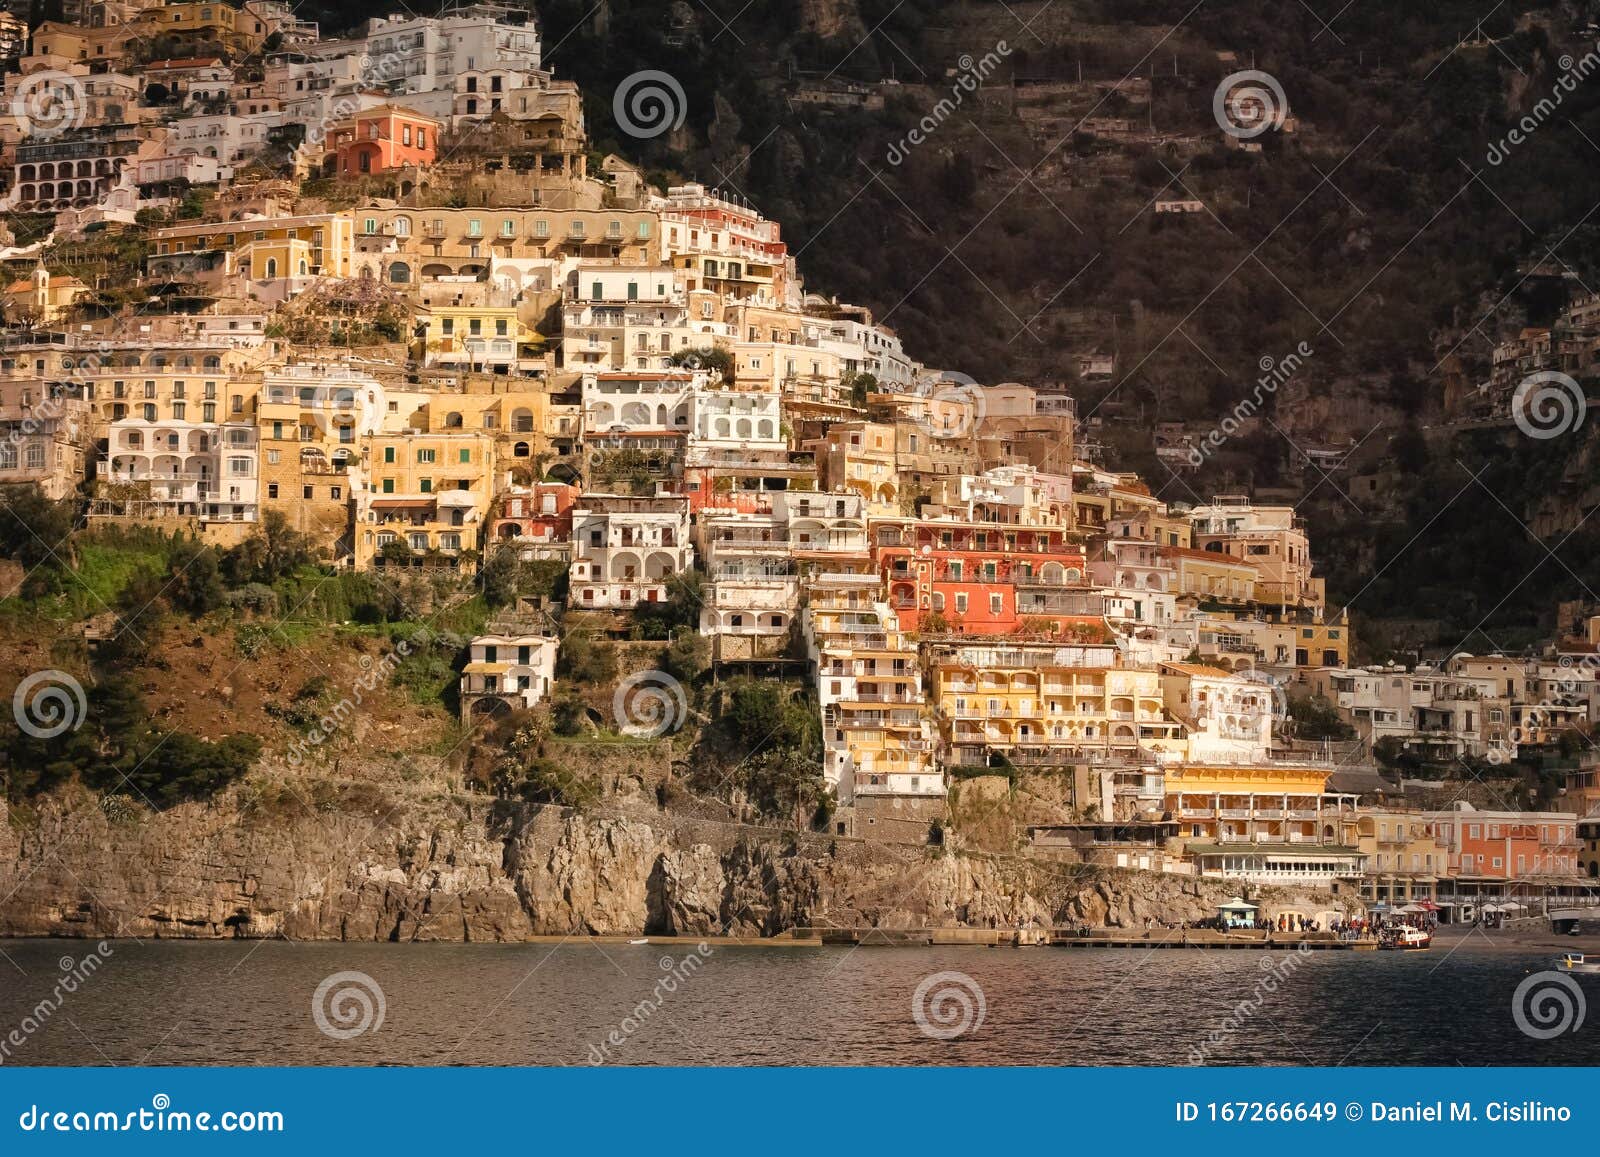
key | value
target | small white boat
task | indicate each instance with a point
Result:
(1407, 940)
(643, 940)
(1577, 962)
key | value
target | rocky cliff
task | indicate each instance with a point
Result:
(439, 866)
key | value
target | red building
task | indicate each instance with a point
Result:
(981, 578)
(379, 139)
(536, 517)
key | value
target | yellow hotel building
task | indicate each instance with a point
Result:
(1267, 823)
(1048, 704)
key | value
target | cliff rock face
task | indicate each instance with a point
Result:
(466, 869)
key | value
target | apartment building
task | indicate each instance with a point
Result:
(626, 549)
(1271, 538)
(966, 577)
(623, 317)
(1492, 846)
(206, 472)
(877, 739)
(724, 246)
(1405, 859)
(426, 501)
(1048, 704)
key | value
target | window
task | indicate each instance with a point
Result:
(427, 486)
(996, 602)
(508, 228)
(425, 455)
(388, 453)
(305, 492)
(272, 490)
(422, 138)
(466, 454)
(388, 485)
(961, 604)
(474, 228)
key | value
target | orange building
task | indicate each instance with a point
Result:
(1506, 845)
(976, 577)
(378, 139)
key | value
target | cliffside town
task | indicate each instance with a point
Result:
(382, 361)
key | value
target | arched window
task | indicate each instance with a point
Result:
(399, 273)
(272, 268)
(520, 450)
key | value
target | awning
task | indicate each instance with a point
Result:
(402, 504)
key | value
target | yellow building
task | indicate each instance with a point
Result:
(312, 420)
(266, 249)
(1404, 858)
(1211, 577)
(1252, 805)
(426, 500)
(403, 246)
(485, 335)
(860, 456)
(1048, 704)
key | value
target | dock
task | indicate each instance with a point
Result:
(1165, 938)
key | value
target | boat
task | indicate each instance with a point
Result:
(644, 940)
(1577, 962)
(1407, 940)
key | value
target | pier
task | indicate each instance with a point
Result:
(1175, 938)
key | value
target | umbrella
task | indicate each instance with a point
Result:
(1412, 909)
(1237, 904)
(1511, 906)
(1489, 908)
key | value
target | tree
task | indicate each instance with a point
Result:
(499, 577)
(275, 550)
(194, 584)
(34, 529)
(587, 657)
(688, 656)
(711, 359)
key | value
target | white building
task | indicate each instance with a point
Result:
(420, 57)
(204, 470)
(507, 671)
(1228, 717)
(752, 592)
(626, 550)
(623, 317)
